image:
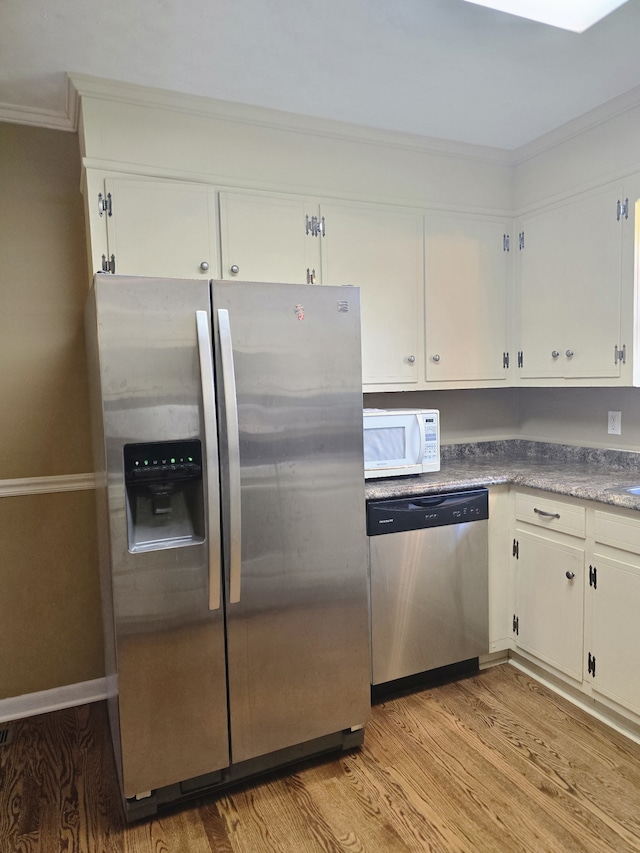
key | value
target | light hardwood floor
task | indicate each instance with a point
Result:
(487, 764)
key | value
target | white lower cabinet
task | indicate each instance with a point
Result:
(549, 560)
(549, 611)
(613, 648)
(612, 606)
(576, 597)
(499, 569)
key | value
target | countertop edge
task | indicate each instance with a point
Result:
(582, 474)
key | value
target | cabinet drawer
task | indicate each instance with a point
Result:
(618, 531)
(551, 515)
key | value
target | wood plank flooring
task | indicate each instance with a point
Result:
(491, 763)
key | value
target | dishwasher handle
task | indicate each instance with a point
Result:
(425, 503)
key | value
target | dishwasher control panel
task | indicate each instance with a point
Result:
(417, 513)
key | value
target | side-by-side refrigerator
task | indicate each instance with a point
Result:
(228, 441)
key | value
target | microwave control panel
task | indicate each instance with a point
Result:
(431, 444)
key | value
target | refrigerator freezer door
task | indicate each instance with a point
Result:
(297, 639)
(169, 711)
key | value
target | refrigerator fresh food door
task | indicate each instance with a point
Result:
(288, 368)
(168, 672)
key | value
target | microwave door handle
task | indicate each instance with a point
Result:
(211, 447)
(423, 439)
(233, 452)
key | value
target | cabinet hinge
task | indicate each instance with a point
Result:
(505, 359)
(105, 205)
(315, 226)
(591, 664)
(521, 240)
(516, 625)
(516, 549)
(506, 240)
(622, 209)
(520, 358)
(593, 577)
(108, 265)
(620, 355)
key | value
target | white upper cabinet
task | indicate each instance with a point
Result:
(266, 237)
(158, 228)
(274, 237)
(379, 250)
(466, 299)
(573, 290)
(435, 288)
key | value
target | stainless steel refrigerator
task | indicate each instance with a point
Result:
(228, 441)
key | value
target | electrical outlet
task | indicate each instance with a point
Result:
(614, 422)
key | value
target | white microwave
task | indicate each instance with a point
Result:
(401, 441)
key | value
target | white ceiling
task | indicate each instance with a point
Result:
(438, 68)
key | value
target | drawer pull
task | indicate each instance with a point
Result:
(546, 514)
(570, 575)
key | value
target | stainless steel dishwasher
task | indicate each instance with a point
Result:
(429, 582)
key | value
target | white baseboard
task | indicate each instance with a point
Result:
(43, 701)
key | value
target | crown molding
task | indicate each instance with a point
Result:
(587, 121)
(79, 85)
(131, 93)
(36, 118)
(66, 119)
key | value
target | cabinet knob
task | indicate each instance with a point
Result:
(570, 575)
(569, 353)
(204, 266)
(435, 358)
(411, 359)
(234, 269)
(555, 354)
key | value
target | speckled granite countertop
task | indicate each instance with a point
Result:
(579, 472)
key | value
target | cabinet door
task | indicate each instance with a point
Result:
(549, 579)
(162, 228)
(264, 238)
(630, 282)
(614, 604)
(570, 280)
(466, 269)
(380, 251)
(500, 580)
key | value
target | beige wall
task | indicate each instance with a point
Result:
(44, 419)
(50, 628)
(50, 624)
(469, 415)
(578, 416)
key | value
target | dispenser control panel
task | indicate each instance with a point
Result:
(158, 462)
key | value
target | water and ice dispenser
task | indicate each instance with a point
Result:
(164, 490)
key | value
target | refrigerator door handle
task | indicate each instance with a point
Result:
(211, 442)
(233, 449)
